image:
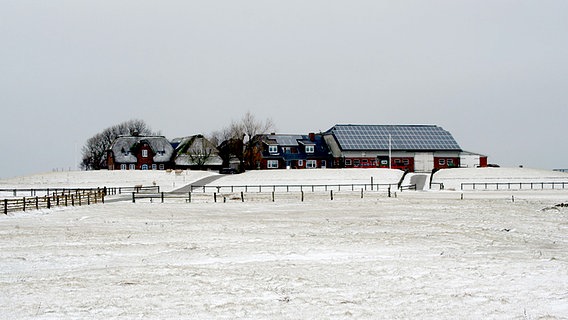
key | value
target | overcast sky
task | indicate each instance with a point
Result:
(493, 73)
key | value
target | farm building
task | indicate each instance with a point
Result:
(286, 151)
(196, 152)
(140, 153)
(419, 148)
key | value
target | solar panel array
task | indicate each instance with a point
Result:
(287, 140)
(403, 137)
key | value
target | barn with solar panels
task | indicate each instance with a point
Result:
(420, 148)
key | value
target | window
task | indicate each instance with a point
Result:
(132, 166)
(323, 164)
(365, 161)
(450, 162)
(441, 162)
(310, 164)
(162, 167)
(356, 162)
(406, 162)
(272, 164)
(347, 162)
(154, 166)
(300, 163)
(309, 149)
(123, 167)
(144, 167)
(145, 153)
(272, 149)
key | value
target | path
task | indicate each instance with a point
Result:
(197, 184)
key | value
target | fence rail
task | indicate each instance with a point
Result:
(299, 187)
(514, 185)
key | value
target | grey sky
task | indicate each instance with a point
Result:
(493, 73)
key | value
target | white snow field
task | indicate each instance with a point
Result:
(419, 255)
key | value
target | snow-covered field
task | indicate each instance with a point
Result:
(421, 255)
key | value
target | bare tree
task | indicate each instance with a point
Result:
(197, 150)
(94, 152)
(231, 140)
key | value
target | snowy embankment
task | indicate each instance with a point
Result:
(453, 178)
(311, 177)
(167, 180)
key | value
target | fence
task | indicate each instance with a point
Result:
(77, 198)
(298, 187)
(57, 197)
(514, 185)
(272, 196)
(15, 192)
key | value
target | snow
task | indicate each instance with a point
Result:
(426, 255)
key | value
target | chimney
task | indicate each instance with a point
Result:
(312, 136)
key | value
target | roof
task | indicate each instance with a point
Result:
(190, 148)
(122, 148)
(320, 148)
(402, 137)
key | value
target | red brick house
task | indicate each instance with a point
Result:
(140, 153)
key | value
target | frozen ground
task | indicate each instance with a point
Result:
(421, 255)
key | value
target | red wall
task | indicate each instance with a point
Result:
(455, 162)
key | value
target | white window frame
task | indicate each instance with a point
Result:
(310, 149)
(272, 164)
(300, 163)
(162, 166)
(450, 162)
(144, 153)
(323, 164)
(123, 166)
(144, 167)
(348, 162)
(154, 166)
(273, 149)
(132, 166)
(442, 162)
(311, 164)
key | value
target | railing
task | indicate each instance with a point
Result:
(513, 185)
(439, 184)
(298, 187)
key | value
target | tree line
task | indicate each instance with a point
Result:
(234, 141)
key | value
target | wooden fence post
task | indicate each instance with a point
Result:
(6, 206)
(242, 197)
(133, 197)
(331, 193)
(302, 195)
(24, 204)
